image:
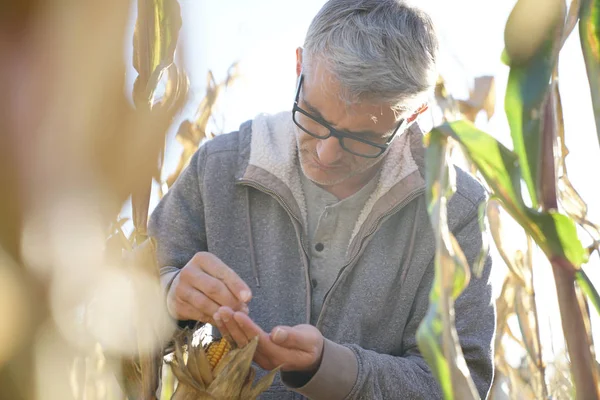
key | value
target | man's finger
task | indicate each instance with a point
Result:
(226, 316)
(214, 289)
(222, 328)
(196, 299)
(280, 335)
(185, 311)
(248, 326)
(294, 337)
(213, 266)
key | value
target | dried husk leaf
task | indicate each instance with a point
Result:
(184, 377)
(250, 392)
(481, 97)
(185, 392)
(193, 368)
(199, 384)
(199, 365)
(230, 379)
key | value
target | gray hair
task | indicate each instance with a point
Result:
(378, 50)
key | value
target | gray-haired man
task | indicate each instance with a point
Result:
(309, 228)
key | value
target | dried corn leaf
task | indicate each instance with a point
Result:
(445, 101)
(198, 364)
(181, 371)
(192, 367)
(230, 378)
(213, 90)
(504, 309)
(191, 134)
(499, 235)
(528, 324)
(250, 392)
(481, 97)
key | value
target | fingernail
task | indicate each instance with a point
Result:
(245, 309)
(280, 335)
(245, 295)
(225, 318)
(217, 318)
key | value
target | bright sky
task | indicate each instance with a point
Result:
(263, 35)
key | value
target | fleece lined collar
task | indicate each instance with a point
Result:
(274, 163)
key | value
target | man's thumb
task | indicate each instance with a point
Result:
(279, 335)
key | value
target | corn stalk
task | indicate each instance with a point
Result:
(532, 49)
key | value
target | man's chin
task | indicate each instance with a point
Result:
(320, 177)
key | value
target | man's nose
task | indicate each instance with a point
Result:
(329, 150)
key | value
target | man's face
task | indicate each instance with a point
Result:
(324, 161)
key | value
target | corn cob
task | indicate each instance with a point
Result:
(216, 351)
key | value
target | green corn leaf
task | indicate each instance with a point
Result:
(498, 165)
(533, 57)
(555, 233)
(437, 337)
(589, 34)
(588, 288)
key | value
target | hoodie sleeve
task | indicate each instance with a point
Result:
(177, 223)
(348, 371)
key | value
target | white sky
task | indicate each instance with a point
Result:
(263, 35)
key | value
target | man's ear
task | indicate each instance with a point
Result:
(424, 107)
(298, 61)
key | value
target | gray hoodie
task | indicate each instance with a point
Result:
(241, 199)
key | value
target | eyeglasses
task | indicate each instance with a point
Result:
(352, 143)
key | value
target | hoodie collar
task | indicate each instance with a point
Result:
(273, 164)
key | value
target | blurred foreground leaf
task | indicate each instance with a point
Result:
(155, 40)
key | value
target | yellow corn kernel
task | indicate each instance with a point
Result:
(216, 351)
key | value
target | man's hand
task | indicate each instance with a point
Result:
(297, 348)
(204, 285)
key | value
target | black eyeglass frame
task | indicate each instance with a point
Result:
(337, 133)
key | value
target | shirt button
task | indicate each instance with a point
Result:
(319, 247)
(314, 283)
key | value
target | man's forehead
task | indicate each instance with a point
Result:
(322, 89)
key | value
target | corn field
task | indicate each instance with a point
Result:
(83, 311)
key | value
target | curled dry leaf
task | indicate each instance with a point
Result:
(481, 97)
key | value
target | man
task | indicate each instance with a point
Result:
(310, 229)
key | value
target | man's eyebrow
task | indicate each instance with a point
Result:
(316, 112)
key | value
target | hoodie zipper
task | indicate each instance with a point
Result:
(362, 246)
(299, 235)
